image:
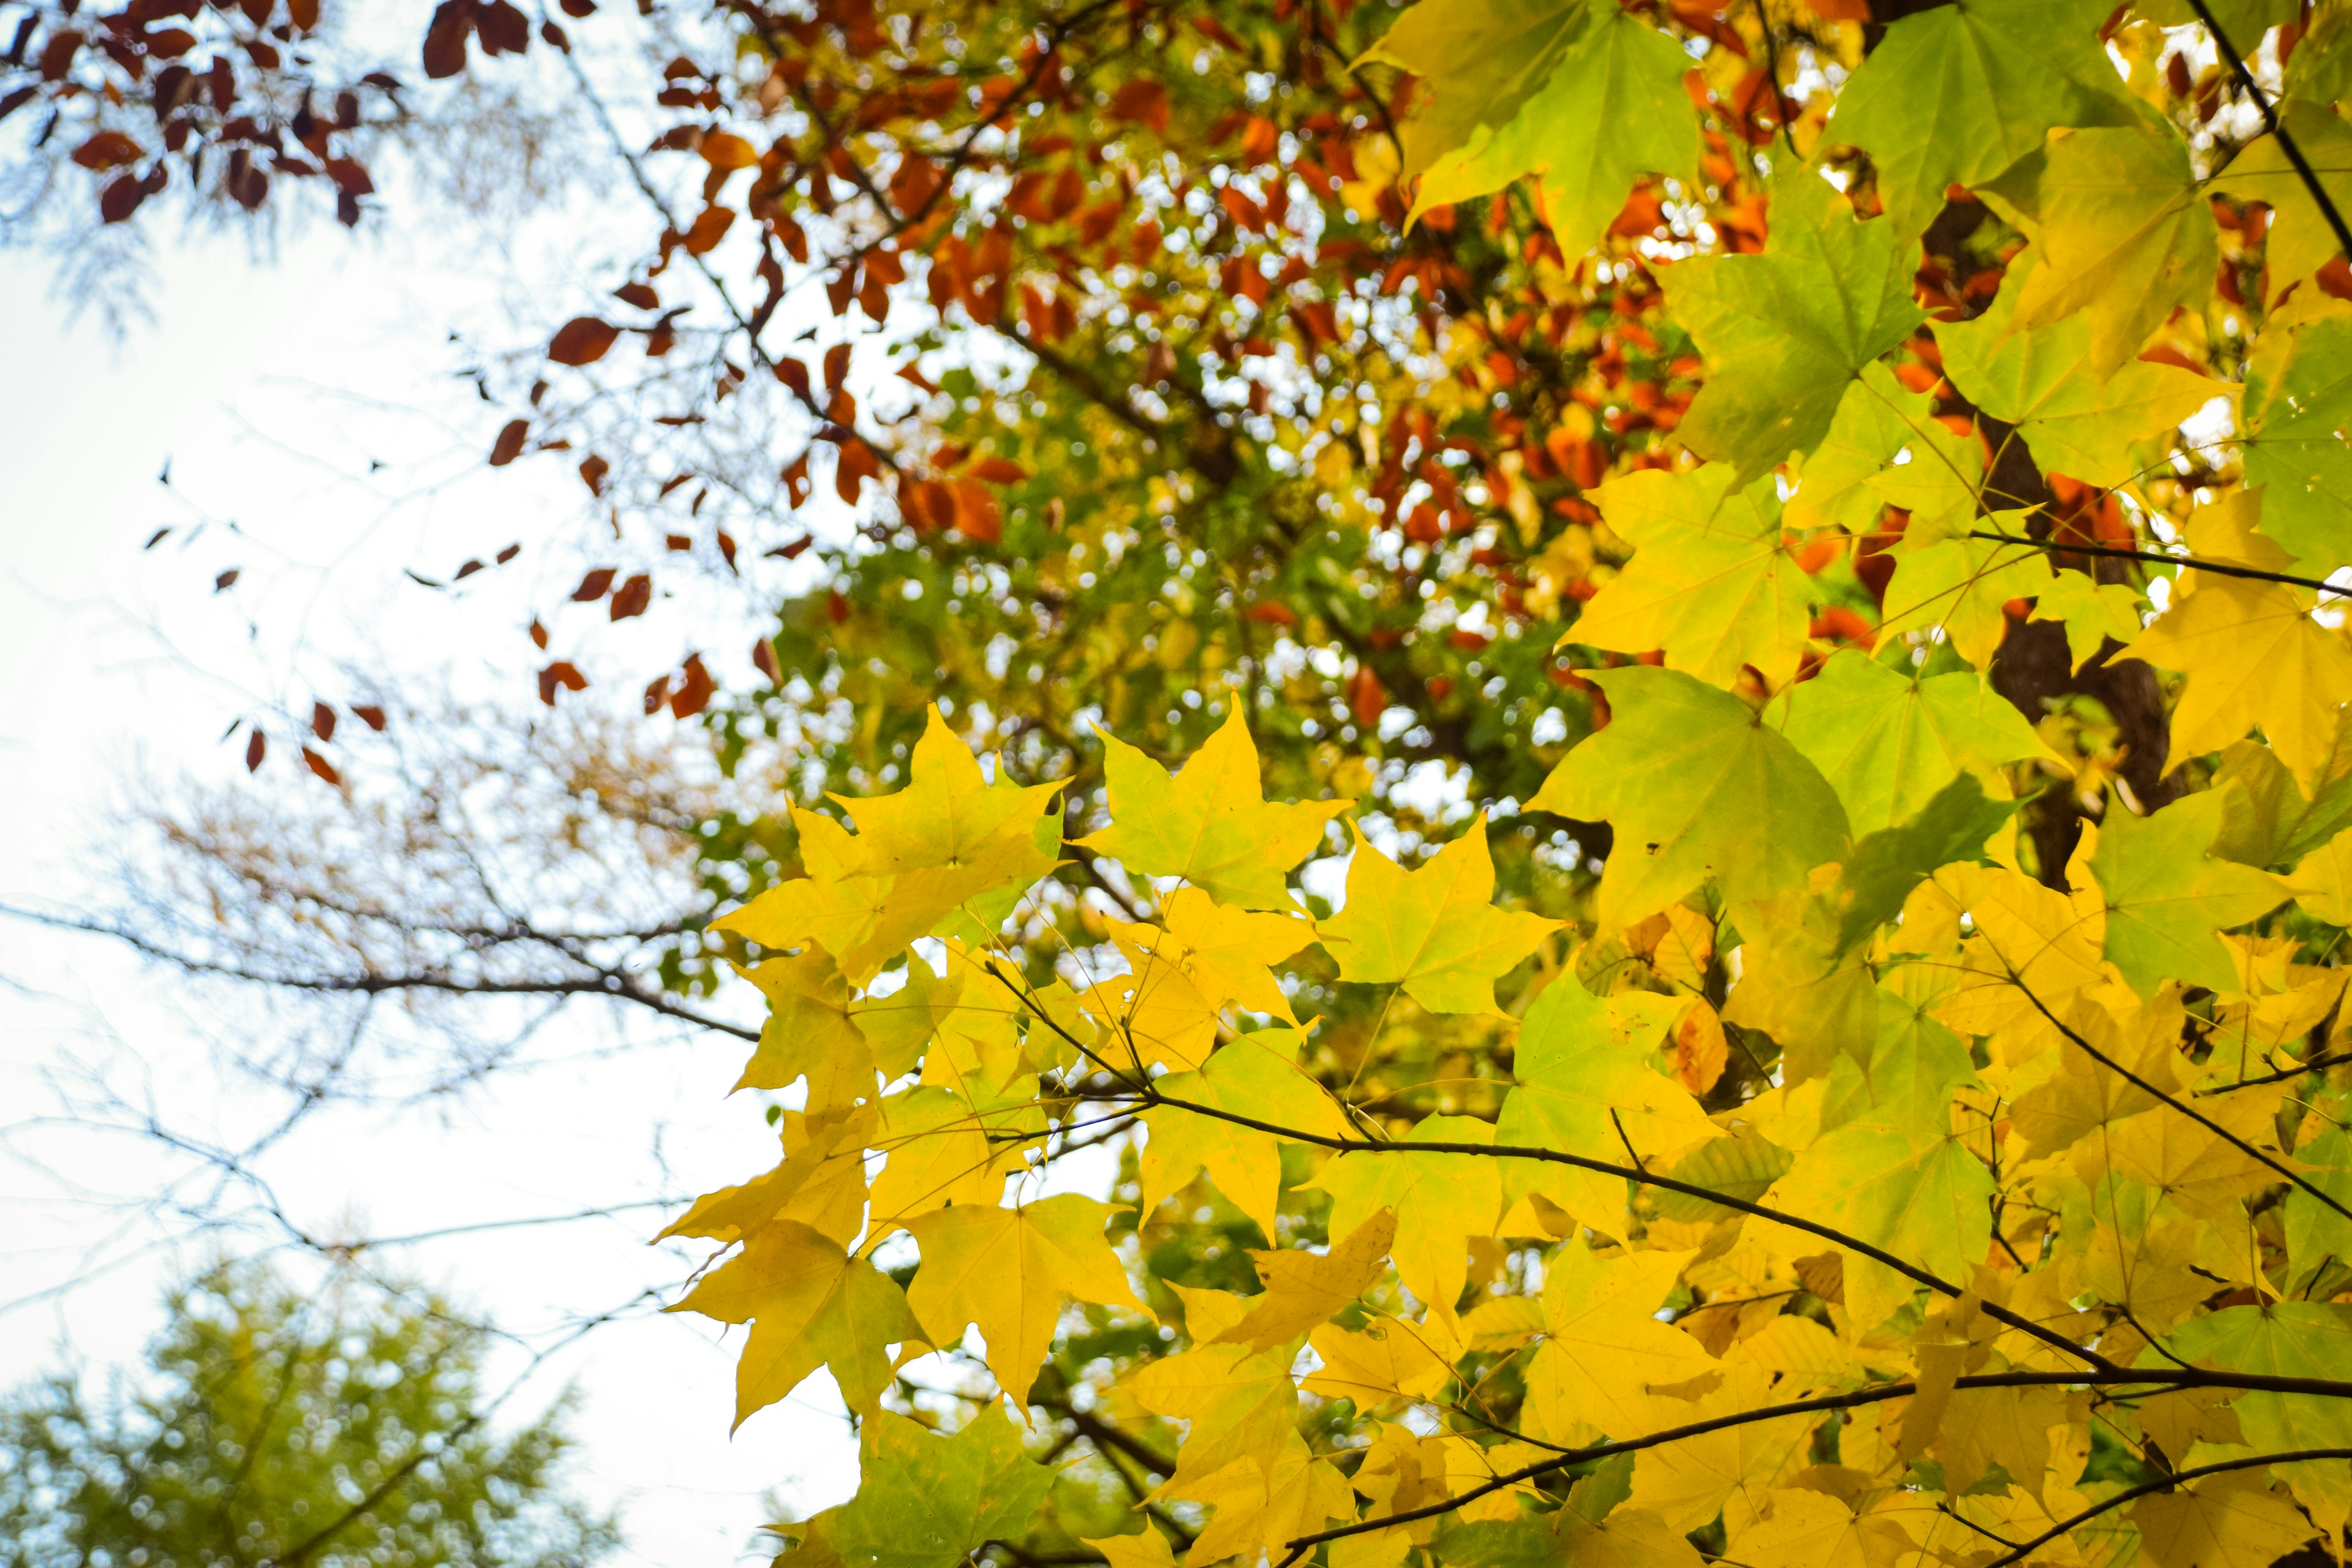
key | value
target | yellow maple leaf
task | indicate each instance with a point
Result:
(1433, 929)
(2230, 1520)
(1007, 1271)
(810, 1304)
(1303, 1289)
(809, 1030)
(1604, 1349)
(2254, 657)
(1389, 1359)
(1209, 824)
(1262, 1507)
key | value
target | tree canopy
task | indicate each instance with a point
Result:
(1662, 873)
(268, 1427)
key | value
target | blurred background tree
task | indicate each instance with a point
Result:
(332, 1429)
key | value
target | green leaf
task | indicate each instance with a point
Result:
(1886, 865)
(1963, 586)
(1611, 110)
(1877, 418)
(2280, 1339)
(2083, 426)
(925, 1501)
(1953, 95)
(2266, 819)
(2122, 234)
(2166, 898)
(2091, 611)
(2298, 403)
(1786, 333)
(1581, 1091)
(1744, 1165)
(1711, 583)
(1890, 743)
(1479, 59)
(1695, 786)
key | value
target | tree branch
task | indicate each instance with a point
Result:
(2164, 1483)
(2219, 568)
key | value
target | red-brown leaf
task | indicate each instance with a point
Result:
(562, 673)
(320, 766)
(323, 721)
(632, 597)
(594, 586)
(107, 149)
(583, 339)
(256, 747)
(694, 692)
(508, 446)
(763, 658)
(370, 715)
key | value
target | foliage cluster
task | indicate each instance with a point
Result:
(1851, 493)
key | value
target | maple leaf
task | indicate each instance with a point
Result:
(810, 1304)
(2297, 404)
(1261, 1507)
(1890, 742)
(1712, 583)
(809, 1030)
(820, 1182)
(1433, 929)
(1579, 1092)
(1255, 1075)
(2229, 1521)
(1007, 1272)
(1483, 60)
(1210, 823)
(1955, 95)
(2080, 425)
(1440, 1201)
(1695, 786)
(1240, 1402)
(1964, 586)
(2166, 898)
(1785, 333)
(928, 1501)
(2122, 231)
(1384, 1360)
(1603, 1349)
(1690, 1481)
(1304, 1289)
(1611, 108)
(1877, 418)
(2253, 657)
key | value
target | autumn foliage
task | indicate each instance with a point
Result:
(1842, 1063)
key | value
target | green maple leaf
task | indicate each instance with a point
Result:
(2298, 402)
(1956, 94)
(1712, 583)
(2166, 898)
(2091, 611)
(1438, 1199)
(1887, 864)
(1434, 930)
(1696, 786)
(1888, 743)
(1209, 824)
(1963, 586)
(1611, 110)
(2282, 1339)
(927, 1501)
(1583, 1092)
(2122, 231)
(1876, 419)
(1786, 333)
(1479, 60)
(2084, 425)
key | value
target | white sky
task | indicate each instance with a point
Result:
(269, 388)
